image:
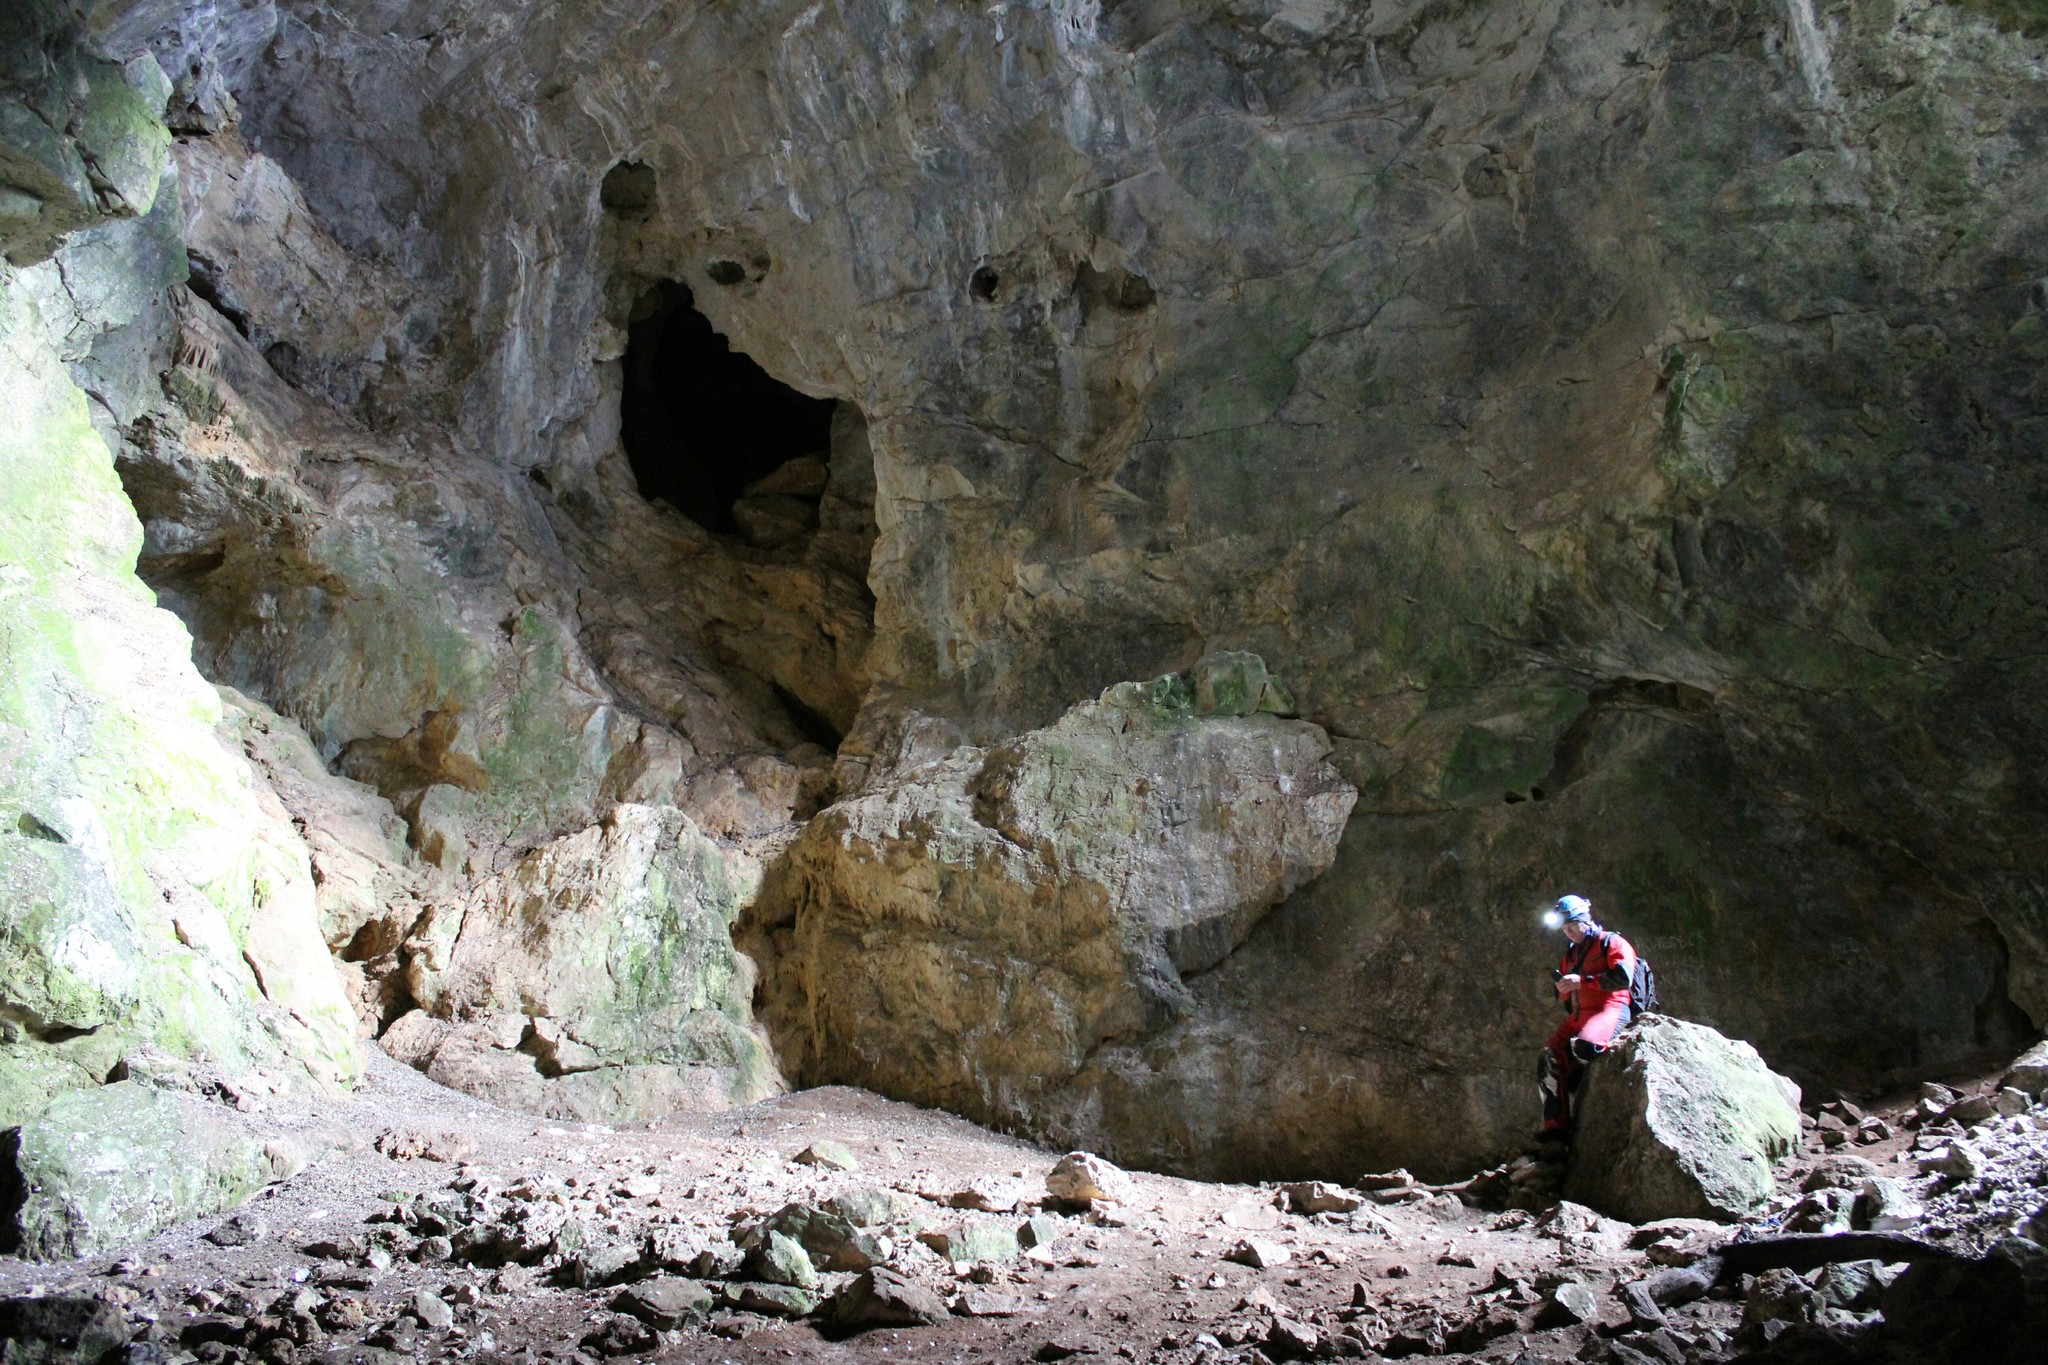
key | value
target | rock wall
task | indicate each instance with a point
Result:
(156, 904)
(1617, 422)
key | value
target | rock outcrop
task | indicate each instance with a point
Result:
(104, 1167)
(969, 932)
(152, 896)
(596, 977)
(1677, 1121)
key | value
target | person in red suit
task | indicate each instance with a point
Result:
(1593, 980)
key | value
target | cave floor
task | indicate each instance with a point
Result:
(1151, 1283)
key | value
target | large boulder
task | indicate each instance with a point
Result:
(967, 932)
(596, 978)
(1678, 1121)
(110, 1165)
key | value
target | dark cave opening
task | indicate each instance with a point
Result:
(701, 421)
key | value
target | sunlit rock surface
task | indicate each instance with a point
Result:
(968, 933)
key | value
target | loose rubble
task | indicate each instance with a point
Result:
(729, 1237)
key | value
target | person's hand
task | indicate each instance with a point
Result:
(1567, 984)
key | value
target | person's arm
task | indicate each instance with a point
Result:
(1621, 967)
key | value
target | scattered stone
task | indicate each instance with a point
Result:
(1844, 1171)
(665, 1301)
(1779, 1296)
(1956, 1159)
(242, 1230)
(1885, 1205)
(401, 1144)
(973, 1242)
(1086, 1179)
(1643, 1312)
(1313, 1196)
(773, 1300)
(986, 1194)
(1258, 1253)
(603, 1264)
(1683, 1284)
(2029, 1073)
(984, 1303)
(433, 1313)
(1569, 1303)
(2010, 1102)
(1288, 1339)
(881, 1297)
(1062, 1347)
(832, 1156)
(870, 1206)
(1039, 1230)
(782, 1260)
(620, 1335)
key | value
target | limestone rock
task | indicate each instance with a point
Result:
(883, 1298)
(1085, 1178)
(968, 934)
(782, 1260)
(664, 1302)
(973, 1242)
(104, 1167)
(1677, 1121)
(60, 1329)
(608, 958)
(151, 887)
(2029, 1072)
(832, 1156)
(1258, 1253)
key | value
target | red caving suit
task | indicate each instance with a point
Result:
(1594, 1014)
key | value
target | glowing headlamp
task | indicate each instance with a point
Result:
(1553, 919)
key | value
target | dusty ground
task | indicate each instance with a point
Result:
(1150, 1283)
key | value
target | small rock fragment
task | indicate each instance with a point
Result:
(1885, 1205)
(832, 1156)
(782, 1260)
(879, 1297)
(239, 1231)
(1258, 1253)
(1314, 1196)
(1570, 1303)
(664, 1301)
(619, 1335)
(1084, 1178)
(433, 1313)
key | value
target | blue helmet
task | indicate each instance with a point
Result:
(1568, 910)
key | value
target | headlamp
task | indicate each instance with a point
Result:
(1553, 919)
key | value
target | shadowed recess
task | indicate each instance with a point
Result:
(700, 421)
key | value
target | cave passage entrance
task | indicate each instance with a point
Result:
(699, 420)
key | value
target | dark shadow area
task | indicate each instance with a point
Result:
(701, 421)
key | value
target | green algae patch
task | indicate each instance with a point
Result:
(131, 891)
(108, 1166)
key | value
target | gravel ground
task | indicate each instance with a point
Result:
(1151, 1280)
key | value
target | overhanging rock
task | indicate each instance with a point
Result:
(1679, 1121)
(968, 933)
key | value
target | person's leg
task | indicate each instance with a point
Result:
(1585, 1042)
(1553, 1076)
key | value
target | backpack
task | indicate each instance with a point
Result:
(1642, 986)
(1642, 990)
